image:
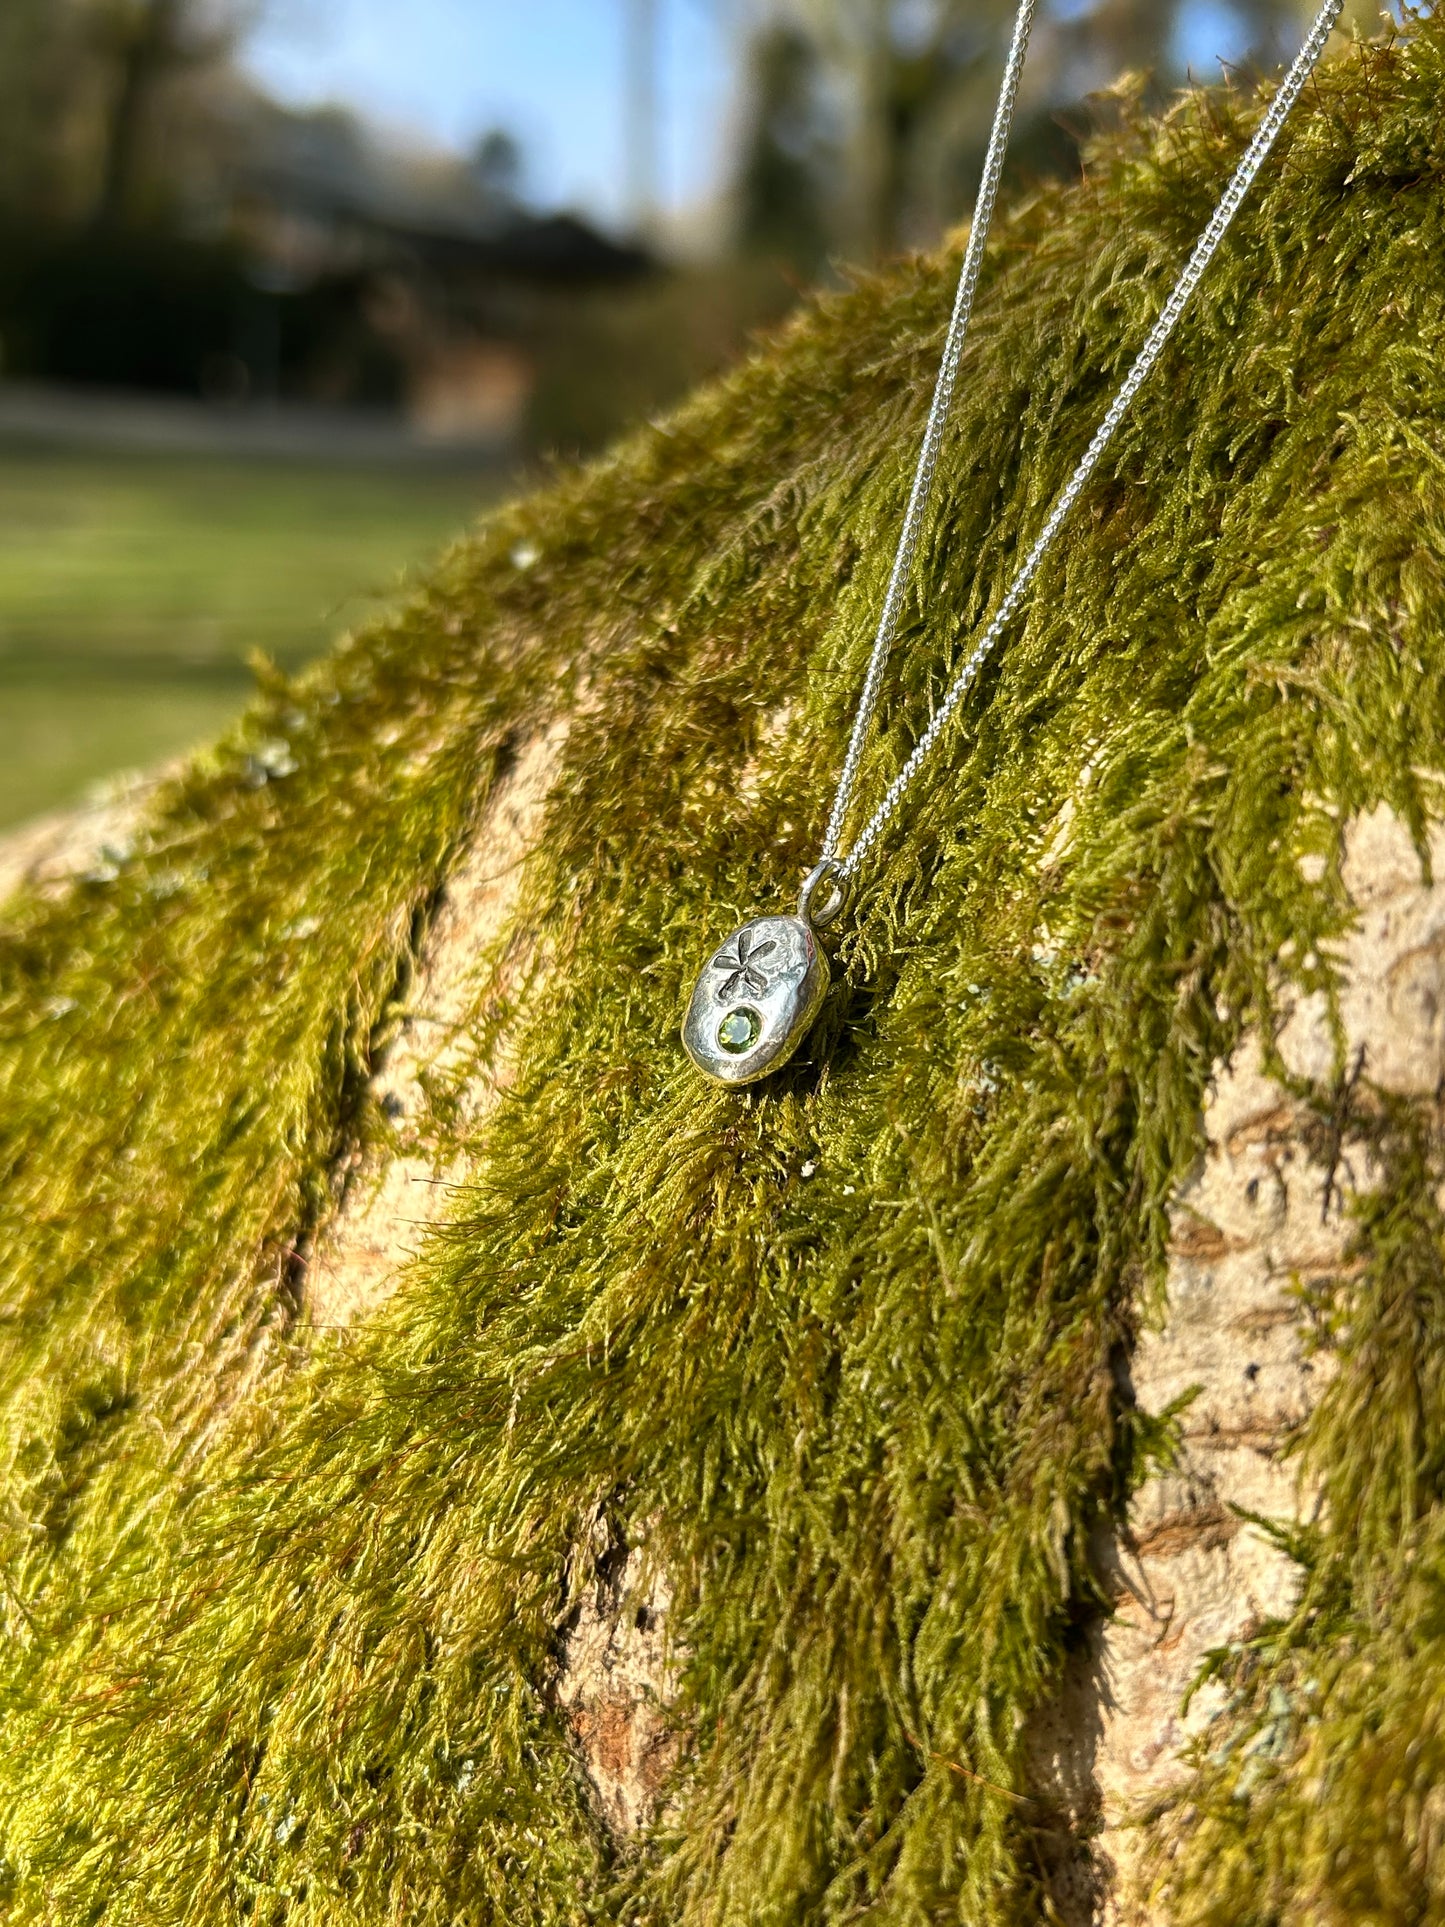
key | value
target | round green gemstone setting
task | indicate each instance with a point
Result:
(739, 1031)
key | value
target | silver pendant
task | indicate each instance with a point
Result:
(760, 991)
(755, 1000)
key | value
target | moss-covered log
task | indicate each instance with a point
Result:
(825, 1391)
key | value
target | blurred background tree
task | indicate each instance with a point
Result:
(144, 47)
(791, 148)
(868, 118)
(99, 99)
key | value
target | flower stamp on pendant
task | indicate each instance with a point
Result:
(744, 966)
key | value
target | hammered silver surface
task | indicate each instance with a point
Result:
(773, 968)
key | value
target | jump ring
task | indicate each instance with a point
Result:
(826, 877)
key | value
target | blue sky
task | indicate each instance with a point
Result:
(549, 70)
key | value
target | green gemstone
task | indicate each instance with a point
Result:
(739, 1030)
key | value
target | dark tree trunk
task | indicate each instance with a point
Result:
(145, 53)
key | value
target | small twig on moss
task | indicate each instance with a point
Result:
(967, 1773)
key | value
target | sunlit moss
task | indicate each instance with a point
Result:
(286, 1657)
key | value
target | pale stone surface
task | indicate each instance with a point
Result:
(1266, 1213)
(1392, 1006)
(469, 960)
(616, 1672)
(387, 1202)
(1260, 1216)
(617, 1680)
(51, 851)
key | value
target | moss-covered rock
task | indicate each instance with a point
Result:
(286, 1607)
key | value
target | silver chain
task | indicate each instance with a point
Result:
(842, 870)
(937, 419)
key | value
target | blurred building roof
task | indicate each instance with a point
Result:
(341, 191)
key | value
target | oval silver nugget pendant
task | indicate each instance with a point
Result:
(755, 1000)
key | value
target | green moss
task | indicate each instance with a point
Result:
(291, 1661)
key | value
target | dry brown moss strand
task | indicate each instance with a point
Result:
(844, 1352)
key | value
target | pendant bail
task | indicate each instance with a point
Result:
(824, 895)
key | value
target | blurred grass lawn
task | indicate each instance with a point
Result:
(132, 588)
